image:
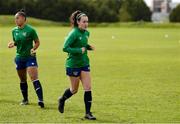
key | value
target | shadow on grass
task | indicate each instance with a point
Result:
(101, 117)
(13, 102)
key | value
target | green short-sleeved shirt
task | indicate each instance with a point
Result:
(75, 40)
(24, 37)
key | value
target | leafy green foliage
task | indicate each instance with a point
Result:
(174, 15)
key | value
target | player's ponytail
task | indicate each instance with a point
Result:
(22, 13)
(76, 16)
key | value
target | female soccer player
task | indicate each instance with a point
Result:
(77, 63)
(23, 37)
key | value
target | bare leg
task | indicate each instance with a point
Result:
(22, 75)
(23, 85)
(33, 74)
(86, 82)
(68, 93)
(74, 84)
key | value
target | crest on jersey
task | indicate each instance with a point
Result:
(24, 33)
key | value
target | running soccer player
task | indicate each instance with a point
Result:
(23, 37)
(77, 63)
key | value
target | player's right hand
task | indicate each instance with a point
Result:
(83, 50)
(11, 44)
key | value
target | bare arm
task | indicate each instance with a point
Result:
(36, 45)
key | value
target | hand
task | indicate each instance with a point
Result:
(83, 50)
(33, 52)
(92, 48)
(11, 44)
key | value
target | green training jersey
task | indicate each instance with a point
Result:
(75, 40)
(23, 38)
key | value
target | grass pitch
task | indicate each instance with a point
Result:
(135, 77)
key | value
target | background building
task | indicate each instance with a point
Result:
(161, 10)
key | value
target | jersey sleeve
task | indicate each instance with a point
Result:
(34, 35)
(67, 44)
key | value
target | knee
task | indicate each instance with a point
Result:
(33, 75)
(74, 91)
(33, 78)
(87, 88)
(23, 79)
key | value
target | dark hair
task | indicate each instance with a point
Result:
(76, 16)
(22, 13)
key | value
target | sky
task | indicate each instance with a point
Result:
(149, 2)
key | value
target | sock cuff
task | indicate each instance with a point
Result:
(23, 85)
(67, 94)
(70, 90)
(87, 91)
(35, 80)
(88, 96)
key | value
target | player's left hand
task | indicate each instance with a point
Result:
(33, 51)
(92, 48)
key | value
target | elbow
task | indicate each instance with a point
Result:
(64, 49)
(37, 43)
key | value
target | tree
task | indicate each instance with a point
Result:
(97, 10)
(141, 11)
(124, 14)
(134, 10)
(174, 15)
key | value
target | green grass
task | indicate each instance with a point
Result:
(135, 77)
